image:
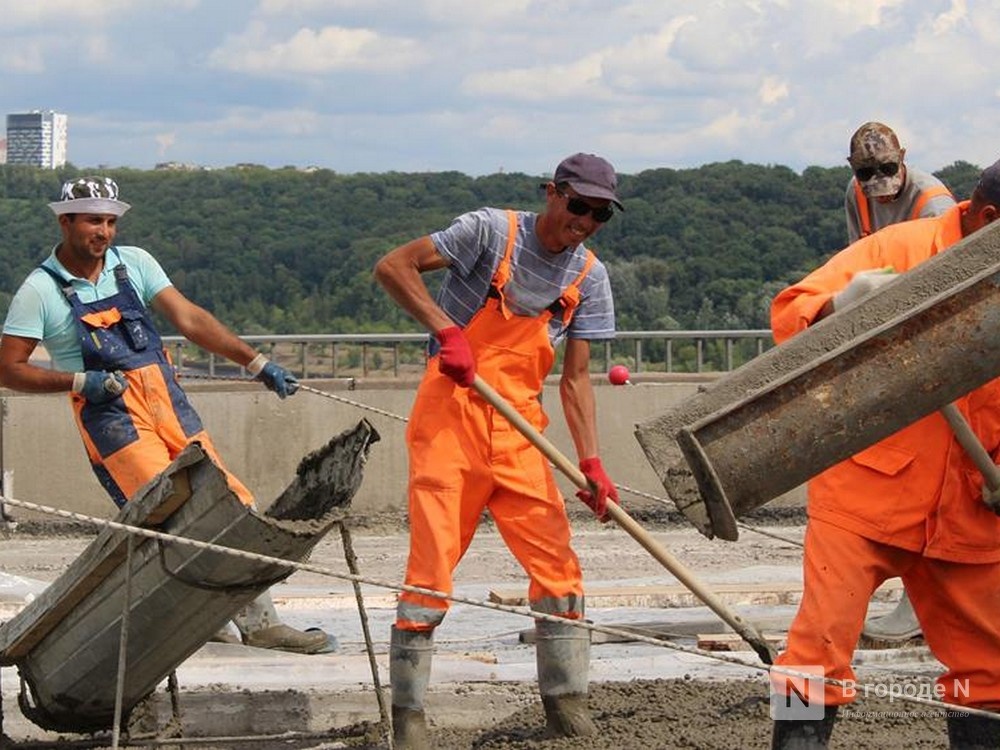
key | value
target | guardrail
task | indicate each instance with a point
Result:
(399, 354)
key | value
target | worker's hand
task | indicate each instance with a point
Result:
(275, 377)
(455, 359)
(601, 489)
(863, 284)
(98, 386)
(991, 498)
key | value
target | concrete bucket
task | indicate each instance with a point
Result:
(169, 597)
(929, 337)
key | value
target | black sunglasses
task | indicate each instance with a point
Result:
(579, 207)
(887, 169)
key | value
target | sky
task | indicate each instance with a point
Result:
(486, 86)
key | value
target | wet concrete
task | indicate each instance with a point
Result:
(483, 692)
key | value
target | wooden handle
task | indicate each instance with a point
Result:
(745, 629)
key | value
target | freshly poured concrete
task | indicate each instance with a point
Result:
(482, 689)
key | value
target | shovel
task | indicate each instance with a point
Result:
(746, 630)
(975, 450)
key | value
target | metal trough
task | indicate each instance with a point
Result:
(66, 642)
(929, 337)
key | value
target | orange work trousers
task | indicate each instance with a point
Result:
(465, 458)
(957, 604)
(157, 437)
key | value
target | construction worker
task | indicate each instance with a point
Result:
(912, 506)
(884, 191)
(517, 285)
(87, 304)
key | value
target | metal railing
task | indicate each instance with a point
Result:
(395, 355)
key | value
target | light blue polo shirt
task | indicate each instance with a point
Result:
(41, 311)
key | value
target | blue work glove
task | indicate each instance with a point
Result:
(275, 377)
(601, 489)
(98, 386)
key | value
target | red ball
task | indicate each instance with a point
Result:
(618, 375)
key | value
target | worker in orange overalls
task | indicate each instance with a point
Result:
(884, 190)
(518, 284)
(912, 506)
(87, 304)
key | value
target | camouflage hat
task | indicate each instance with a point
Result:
(89, 195)
(876, 158)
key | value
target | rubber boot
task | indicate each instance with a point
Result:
(967, 732)
(562, 653)
(794, 734)
(410, 654)
(896, 627)
(260, 627)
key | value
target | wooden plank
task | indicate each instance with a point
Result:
(676, 595)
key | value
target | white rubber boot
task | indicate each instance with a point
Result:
(562, 653)
(896, 627)
(410, 653)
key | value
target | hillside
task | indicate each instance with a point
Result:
(287, 251)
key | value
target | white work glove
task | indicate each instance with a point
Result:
(863, 284)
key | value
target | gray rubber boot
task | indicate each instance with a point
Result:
(896, 627)
(260, 627)
(966, 732)
(790, 734)
(562, 653)
(410, 654)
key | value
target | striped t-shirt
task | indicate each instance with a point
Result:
(475, 244)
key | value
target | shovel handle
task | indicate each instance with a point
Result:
(973, 447)
(745, 629)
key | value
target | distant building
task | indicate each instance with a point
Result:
(3, 150)
(37, 139)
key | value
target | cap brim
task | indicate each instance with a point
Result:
(90, 206)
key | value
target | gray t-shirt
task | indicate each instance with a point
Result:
(900, 209)
(475, 243)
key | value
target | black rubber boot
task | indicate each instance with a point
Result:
(969, 732)
(796, 734)
(409, 673)
(563, 657)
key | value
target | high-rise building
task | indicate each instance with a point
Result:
(37, 139)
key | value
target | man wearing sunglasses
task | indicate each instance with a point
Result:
(517, 285)
(912, 505)
(884, 190)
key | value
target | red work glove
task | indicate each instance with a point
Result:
(456, 360)
(603, 489)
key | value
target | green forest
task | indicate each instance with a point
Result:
(286, 251)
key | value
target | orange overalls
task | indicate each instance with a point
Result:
(465, 457)
(132, 438)
(908, 506)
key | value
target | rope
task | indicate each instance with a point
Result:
(391, 415)
(859, 688)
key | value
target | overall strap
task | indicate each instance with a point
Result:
(928, 195)
(865, 219)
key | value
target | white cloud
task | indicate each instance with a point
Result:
(311, 52)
